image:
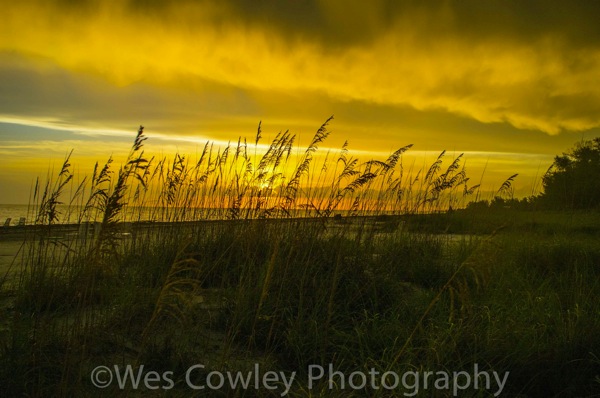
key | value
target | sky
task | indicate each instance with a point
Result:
(509, 83)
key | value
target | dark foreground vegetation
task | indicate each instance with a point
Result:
(379, 289)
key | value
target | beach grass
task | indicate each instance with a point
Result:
(288, 260)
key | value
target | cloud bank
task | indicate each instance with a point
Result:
(533, 66)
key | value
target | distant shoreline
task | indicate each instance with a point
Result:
(87, 229)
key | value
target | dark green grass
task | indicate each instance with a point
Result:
(295, 294)
(508, 290)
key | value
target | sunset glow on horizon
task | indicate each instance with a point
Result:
(509, 84)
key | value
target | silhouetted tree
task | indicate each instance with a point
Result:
(480, 205)
(573, 180)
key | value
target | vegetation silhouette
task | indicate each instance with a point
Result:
(297, 261)
(572, 181)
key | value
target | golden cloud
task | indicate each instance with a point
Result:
(539, 85)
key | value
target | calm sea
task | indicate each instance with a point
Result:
(14, 212)
(66, 214)
(71, 214)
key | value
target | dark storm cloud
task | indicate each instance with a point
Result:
(344, 22)
(351, 22)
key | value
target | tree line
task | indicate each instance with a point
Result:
(571, 182)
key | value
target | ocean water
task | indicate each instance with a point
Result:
(66, 214)
(71, 214)
(15, 212)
